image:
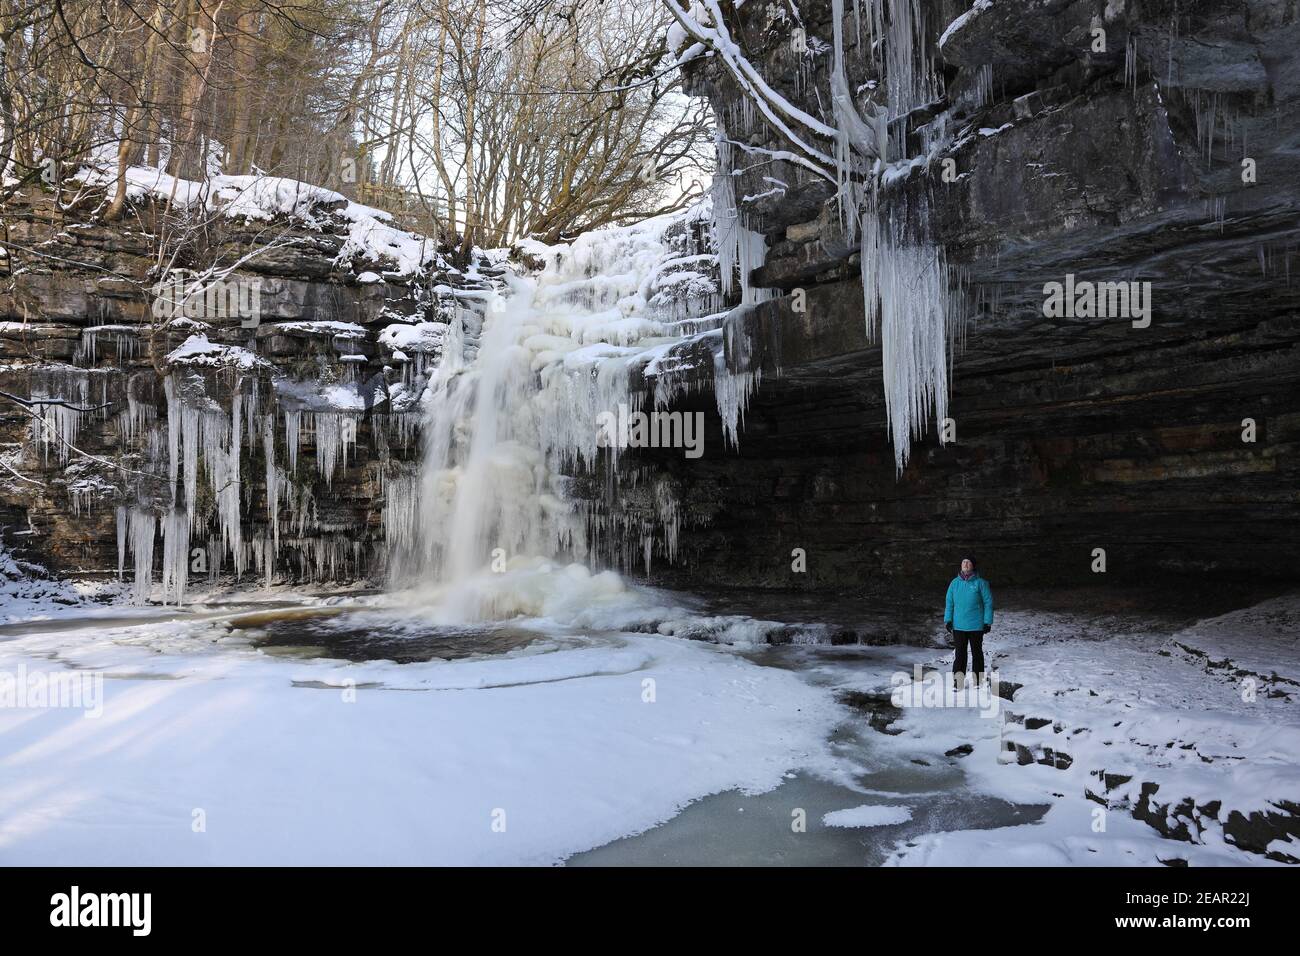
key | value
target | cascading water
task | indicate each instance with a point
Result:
(512, 411)
(484, 484)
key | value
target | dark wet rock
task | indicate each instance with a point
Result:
(878, 707)
(1113, 780)
(1255, 831)
(1073, 432)
(1022, 39)
(1055, 758)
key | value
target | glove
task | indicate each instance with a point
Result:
(987, 628)
(947, 626)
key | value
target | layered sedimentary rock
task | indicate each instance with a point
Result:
(192, 438)
(1051, 142)
(1024, 145)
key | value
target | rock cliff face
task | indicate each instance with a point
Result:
(1044, 141)
(1163, 154)
(284, 426)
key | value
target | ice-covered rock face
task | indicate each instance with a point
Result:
(214, 423)
(1115, 141)
(854, 137)
(268, 445)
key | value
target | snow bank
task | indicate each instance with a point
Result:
(1263, 640)
(520, 760)
(29, 593)
(371, 235)
(198, 351)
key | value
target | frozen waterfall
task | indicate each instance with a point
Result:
(511, 412)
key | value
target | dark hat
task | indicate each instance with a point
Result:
(971, 559)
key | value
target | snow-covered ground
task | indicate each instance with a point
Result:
(1199, 716)
(196, 744)
(29, 593)
(206, 750)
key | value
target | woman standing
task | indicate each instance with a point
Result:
(968, 616)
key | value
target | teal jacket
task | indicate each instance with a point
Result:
(969, 605)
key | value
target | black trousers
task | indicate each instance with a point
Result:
(976, 641)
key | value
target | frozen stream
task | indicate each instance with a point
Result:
(593, 730)
(294, 734)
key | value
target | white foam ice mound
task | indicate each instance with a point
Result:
(868, 815)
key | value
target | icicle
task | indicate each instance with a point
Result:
(142, 528)
(176, 555)
(668, 515)
(739, 248)
(173, 433)
(272, 494)
(223, 468)
(123, 336)
(292, 425)
(857, 140)
(137, 418)
(1130, 62)
(56, 426)
(910, 81)
(336, 432)
(980, 92)
(905, 285)
(197, 436)
(725, 217)
(733, 386)
(122, 522)
(752, 254)
(252, 420)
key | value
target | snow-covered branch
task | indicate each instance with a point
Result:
(770, 103)
(782, 154)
